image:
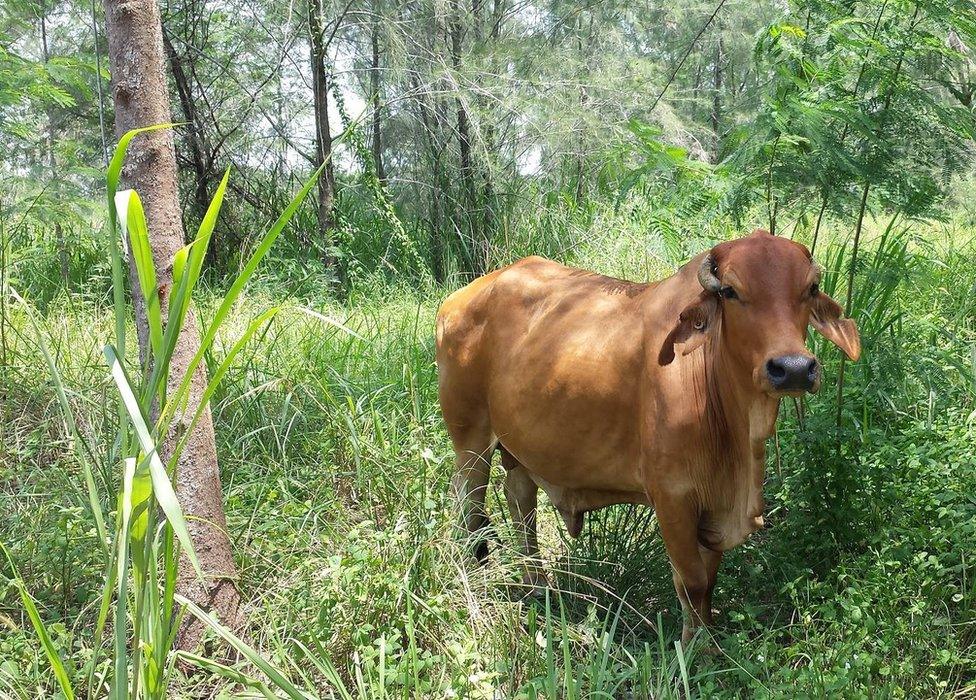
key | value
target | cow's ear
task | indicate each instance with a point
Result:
(692, 327)
(825, 317)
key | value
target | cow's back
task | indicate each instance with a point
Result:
(551, 358)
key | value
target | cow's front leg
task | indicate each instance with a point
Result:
(678, 519)
(712, 559)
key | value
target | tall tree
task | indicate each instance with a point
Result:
(374, 88)
(138, 66)
(717, 60)
(52, 163)
(323, 132)
(468, 203)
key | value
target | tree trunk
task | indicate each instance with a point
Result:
(431, 129)
(323, 134)
(489, 151)
(717, 97)
(140, 92)
(464, 145)
(374, 86)
(580, 127)
(52, 164)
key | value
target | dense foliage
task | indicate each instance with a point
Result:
(614, 136)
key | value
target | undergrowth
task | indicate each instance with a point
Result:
(336, 467)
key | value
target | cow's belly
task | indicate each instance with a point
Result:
(725, 532)
(584, 500)
(571, 447)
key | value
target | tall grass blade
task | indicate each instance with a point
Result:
(69, 418)
(224, 671)
(225, 365)
(325, 666)
(53, 658)
(120, 686)
(682, 664)
(162, 487)
(245, 650)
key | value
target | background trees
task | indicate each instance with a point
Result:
(466, 113)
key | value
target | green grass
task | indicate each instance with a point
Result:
(336, 467)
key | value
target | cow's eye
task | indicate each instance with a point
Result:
(728, 293)
(814, 289)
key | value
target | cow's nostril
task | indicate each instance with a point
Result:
(812, 369)
(776, 370)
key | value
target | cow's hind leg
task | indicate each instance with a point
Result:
(472, 458)
(522, 495)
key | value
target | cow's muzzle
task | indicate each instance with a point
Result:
(793, 373)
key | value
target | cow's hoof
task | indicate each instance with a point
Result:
(481, 551)
(700, 640)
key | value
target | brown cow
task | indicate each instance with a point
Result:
(602, 391)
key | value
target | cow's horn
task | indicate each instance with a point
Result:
(706, 275)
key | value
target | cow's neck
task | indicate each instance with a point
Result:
(731, 483)
(743, 417)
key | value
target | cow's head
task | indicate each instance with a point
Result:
(759, 295)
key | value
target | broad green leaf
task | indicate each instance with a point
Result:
(187, 265)
(156, 386)
(141, 493)
(114, 171)
(175, 401)
(162, 487)
(202, 241)
(112, 176)
(132, 217)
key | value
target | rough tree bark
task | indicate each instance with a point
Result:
(716, 115)
(323, 134)
(374, 87)
(138, 63)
